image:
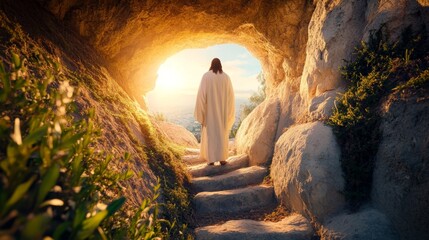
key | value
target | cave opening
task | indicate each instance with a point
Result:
(179, 76)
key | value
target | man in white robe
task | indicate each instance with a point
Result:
(215, 110)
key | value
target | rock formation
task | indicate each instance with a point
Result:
(306, 171)
(401, 175)
(176, 134)
(137, 36)
(301, 44)
(257, 132)
(365, 224)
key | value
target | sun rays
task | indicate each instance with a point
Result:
(180, 75)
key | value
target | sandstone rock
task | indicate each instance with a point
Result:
(293, 227)
(386, 13)
(401, 175)
(306, 171)
(321, 107)
(255, 137)
(239, 178)
(292, 106)
(336, 27)
(192, 151)
(234, 163)
(367, 224)
(137, 36)
(193, 160)
(177, 134)
(234, 201)
(424, 3)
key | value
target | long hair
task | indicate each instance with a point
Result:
(216, 66)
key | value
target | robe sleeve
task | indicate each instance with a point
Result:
(231, 105)
(201, 103)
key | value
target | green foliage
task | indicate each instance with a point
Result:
(144, 218)
(164, 160)
(421, 81)
(375, 71)
(64, 179)
(142, 223)
(52, 182)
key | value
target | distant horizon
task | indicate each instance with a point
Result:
(180, 75)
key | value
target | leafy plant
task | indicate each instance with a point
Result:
(50, 178)
(80, 200)
(376, 71)
(164, 160)
(53, 182)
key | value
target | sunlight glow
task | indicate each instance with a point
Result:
(179, 78)
(169, 76)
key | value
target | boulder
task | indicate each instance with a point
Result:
(321, 107)
(177, 134)
(367, 224)
(401, 175)
(256, 135)
(306, 171)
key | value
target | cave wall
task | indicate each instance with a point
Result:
(300, 44)
(137, 36)
(401, 174)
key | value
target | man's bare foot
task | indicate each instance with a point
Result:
(223, 162)
(210, 164)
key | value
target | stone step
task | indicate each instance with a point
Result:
(234, 163)
(234, 201)
(294, 227)
(192, 151)
(191, 160)
(236, 179)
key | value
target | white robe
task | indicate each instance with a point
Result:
(215, 110)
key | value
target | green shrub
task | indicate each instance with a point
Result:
(33, 99)
(421, 81)
(378, 67)
(53, 182)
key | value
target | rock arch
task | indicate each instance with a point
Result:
(299, 43)
(137, 36)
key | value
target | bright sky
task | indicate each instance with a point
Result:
(180, 75)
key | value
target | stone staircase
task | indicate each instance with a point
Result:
(228, 197)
